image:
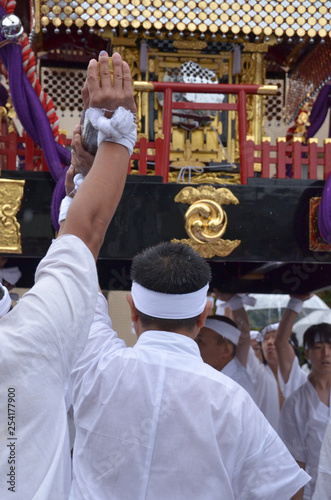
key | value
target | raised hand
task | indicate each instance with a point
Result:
(103, 93)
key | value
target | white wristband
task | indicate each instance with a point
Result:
(236, 302)
(120, 128)
(65, 204)
(295, 304)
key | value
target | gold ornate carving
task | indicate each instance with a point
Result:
(206, 221)
(316, 242)
(11, 193)
(191, 45)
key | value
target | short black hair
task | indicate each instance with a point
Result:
(317, 333)
(173, 268)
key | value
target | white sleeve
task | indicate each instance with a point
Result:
(291, 430)
(40, 339)
(323, 482)
(255, 368)
(267, 462)
(48, 328)
(296, 379)
(102, 341)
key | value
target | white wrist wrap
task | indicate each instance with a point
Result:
(295, 304)
(236, 302)
(120, 128)
(78, 179)
(65, 204)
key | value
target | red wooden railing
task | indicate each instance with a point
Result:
(22, 153)
(287, 159)
(204, 88)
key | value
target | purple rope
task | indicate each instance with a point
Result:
(58, 195)
(319, 111)
(33, 117)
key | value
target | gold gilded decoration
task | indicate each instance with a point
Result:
(276, 17)
(206, 221)
(11, 193)
(195, 45)
(316, 242)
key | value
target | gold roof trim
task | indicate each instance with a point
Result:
(301, 17)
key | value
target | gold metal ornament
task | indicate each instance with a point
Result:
(206, 221)
(11, 193)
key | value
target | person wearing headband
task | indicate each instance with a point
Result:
(217, 342)
(47, 330)
(149, 418)
(265, 376)
(305, 414)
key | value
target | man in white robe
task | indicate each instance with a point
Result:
(48, 328)
(217, 342)
(154, 421)
(305, 414)
(266, 377)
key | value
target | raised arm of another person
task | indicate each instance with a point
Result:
(240, 317)
(98, 196)
(285, 351)
(44, 334)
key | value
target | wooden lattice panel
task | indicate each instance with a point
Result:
(64, 86)
(274, 105)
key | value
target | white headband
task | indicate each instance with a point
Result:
(224, 329)
(254, 334)
(5, 302)
(168, 305)
(267, 329)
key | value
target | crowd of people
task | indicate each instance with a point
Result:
(192, 410)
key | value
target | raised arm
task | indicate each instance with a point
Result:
(98, 196)
(285, 351)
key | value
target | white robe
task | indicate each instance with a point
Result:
(237, 372)
(323, 482)
(39, 341)
(302, 425)
(266, 389)
(155, 422)
(296, 379)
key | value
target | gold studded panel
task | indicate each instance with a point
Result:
(281, 17)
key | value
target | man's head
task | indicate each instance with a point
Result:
(217, 341)
(317, 343)
(267, 339)
(170, 285)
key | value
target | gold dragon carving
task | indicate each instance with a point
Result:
(206, 221)
(11, 193)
